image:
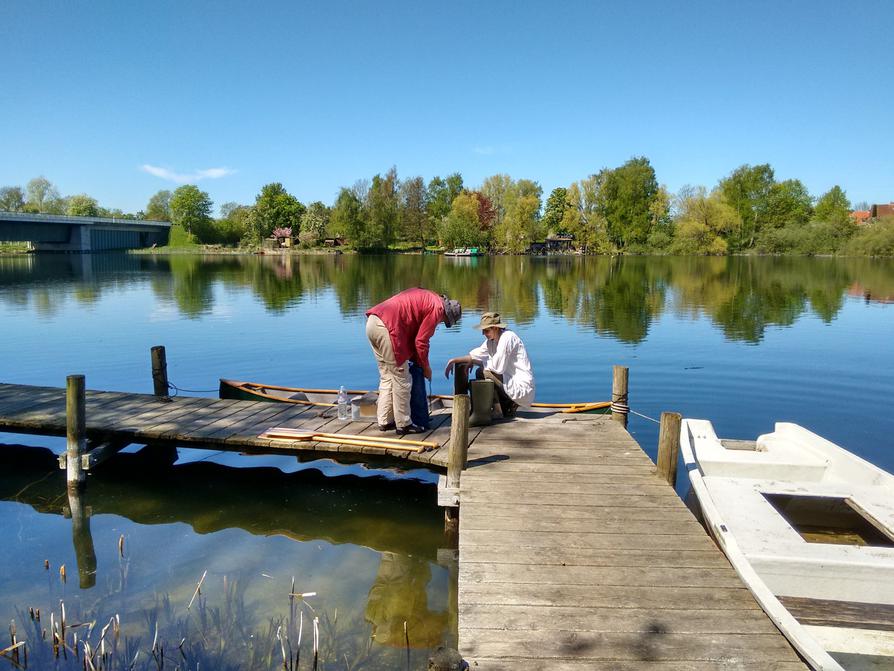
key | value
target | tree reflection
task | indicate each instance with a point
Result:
(616, 297)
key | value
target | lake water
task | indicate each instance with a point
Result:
(743, 342)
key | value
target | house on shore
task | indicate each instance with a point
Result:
(554, 244)
(860, 217)
(881, 210)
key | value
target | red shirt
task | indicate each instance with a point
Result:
(411, 318)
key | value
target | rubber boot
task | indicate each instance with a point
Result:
(481, 393)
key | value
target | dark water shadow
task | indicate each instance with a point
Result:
(397, 516)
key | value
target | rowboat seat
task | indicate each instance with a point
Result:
(300, 396)
(775, 456)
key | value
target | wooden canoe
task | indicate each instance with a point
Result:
(256, 391)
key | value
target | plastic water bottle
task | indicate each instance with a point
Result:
(343, 412)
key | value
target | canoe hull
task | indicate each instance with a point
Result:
(254, 391)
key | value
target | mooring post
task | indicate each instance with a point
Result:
(456, 455)
(620, 409)
(461, 378)
(669, 446)
(159, 371)
(75, 429)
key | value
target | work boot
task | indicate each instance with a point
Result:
(481, 393)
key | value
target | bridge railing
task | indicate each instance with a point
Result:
(27, 217)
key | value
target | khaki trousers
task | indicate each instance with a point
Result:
(394, 381)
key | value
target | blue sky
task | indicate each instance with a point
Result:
(121, 99)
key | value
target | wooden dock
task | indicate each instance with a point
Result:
(122, 418)
(573, 553)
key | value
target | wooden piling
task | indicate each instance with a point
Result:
(75, 428)
(619, 394)
(159, 371)
(457, 454)
(669, 446)
(461, 378)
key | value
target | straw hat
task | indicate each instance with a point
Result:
(490, 320)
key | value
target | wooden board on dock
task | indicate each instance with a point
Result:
(209, 422)
(574, 554)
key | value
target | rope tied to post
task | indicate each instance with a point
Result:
(620, 407)
(177, 389)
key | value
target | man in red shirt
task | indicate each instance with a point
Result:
(399, 330)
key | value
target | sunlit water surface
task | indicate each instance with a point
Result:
(742, 342)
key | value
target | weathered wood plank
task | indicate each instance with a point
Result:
(598, 524)
(547, 556)
(573, 511)
(610, 596)
(628, 646)
(643, 620)
(831, 613)
(517, 577)
(261, 413)
(514, 663)
(641, 496)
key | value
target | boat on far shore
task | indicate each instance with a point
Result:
(464, 251)
(809, 527)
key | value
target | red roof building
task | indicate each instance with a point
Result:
(882, 210)
(860, 216)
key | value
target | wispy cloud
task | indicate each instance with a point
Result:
(490, 150)
(186, 178)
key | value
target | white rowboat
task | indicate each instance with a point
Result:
(809, 527)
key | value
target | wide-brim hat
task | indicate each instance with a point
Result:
(490, 320)
(452, 311)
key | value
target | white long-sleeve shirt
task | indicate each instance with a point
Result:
(509, 358)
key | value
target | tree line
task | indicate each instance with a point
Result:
(617, 210)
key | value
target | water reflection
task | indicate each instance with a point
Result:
(616, 297)
(407, 605)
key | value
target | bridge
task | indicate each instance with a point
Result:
(61, 233)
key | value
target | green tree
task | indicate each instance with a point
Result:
(789, 203)
(625, 198)
(275, 208)
(747, 190)
(43, 196)
(494, 189)
(520, 225)
(159, 207)
(461, 227)
(234, 224)
(554, 212)
(191, 210)
(315, 221)
(503, 193)
(381, 212)
(441, 193)
(347, 217)
(833, 206)
(82, 205)
(703, 223)
(414, 221)
(12, 199)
